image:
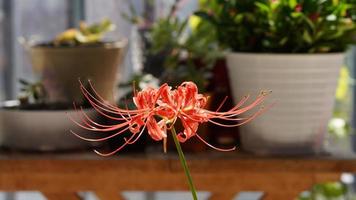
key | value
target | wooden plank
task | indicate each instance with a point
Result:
(200, 165)
(109, 195)
(280, 196)
(229, 175)
(223, 195)
(61, 195)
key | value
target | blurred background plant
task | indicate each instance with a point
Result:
(138, 82)
(177, 50)
(326, 191)
(339, 125)
(32, 93)
(85, 34)
(288, 26)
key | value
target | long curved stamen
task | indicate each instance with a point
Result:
(80, 116)
(117, 150)
(100, 109)
(99, 96)
(102, 101)
(221, 104)
(91, 124)
(241, 102)
(234, 112)
(105, 106)
(114, 127)
(127, 108)
(248, 119)
(143, 129)
(139, 135)
(213, 147)
(210, 116)
(190, 117)
(100, 139)
(99, 99)
(88, 119)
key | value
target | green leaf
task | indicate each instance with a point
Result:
(263, 7)
(293, 3)
(238, 18)
(307, 38)
(283, 41)
(296, 14)
(206, 16)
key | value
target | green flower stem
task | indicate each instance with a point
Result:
(184, 164)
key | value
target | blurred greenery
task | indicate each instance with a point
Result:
(326, 191)
(190, 52)
(187, 47)
(282, 26)
(339, 125)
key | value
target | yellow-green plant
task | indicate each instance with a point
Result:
(85, 34)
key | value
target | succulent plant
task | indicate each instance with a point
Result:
(85, 34)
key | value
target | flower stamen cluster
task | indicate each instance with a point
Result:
(157, 111)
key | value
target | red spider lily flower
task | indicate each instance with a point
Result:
(157, 110)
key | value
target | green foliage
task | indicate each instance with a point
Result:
(189, 52)
(283, 26)
(325, 191)
(32, 92)
(86, 34)
(134, 17)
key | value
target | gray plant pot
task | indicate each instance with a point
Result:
(41, 130)
(60, 68)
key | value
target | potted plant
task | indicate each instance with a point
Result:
(78, 53)
(33, 123)
(294, 48)
(42, 107)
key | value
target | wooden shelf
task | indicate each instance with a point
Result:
(60, 176)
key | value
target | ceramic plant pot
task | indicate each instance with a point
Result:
(303, 90)
(60, 68)
(41, 130)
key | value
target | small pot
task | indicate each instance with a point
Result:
(60, 68)
(40, 130)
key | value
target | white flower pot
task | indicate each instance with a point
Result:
(42, 130)
(303, 89)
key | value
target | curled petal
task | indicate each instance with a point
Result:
(136, 123)
(156, 130)
(190, 129)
